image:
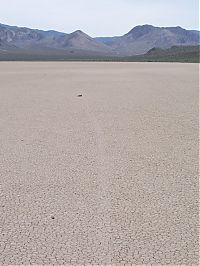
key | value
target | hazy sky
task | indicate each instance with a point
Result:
(99, 17)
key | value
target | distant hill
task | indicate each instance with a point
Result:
(174, 50)
(25, 39)
(173, 54)
(34, 44)
(143, 38)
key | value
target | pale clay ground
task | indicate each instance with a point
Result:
(107, 179)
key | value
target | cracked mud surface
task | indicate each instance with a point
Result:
(110, 178)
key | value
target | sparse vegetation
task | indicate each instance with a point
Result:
(187, 54)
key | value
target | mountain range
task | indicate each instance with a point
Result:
(137, 41)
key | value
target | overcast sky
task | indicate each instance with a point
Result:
(99, 17)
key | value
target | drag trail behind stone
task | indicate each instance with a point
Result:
(110, 177)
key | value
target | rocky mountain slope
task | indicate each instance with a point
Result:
(143, 38)
(137, 41)
(36, 40)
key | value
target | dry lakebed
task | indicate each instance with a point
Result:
(98, 163)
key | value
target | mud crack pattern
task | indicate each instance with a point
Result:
(109, 178)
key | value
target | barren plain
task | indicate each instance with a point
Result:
(109, 178)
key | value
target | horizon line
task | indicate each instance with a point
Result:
(47, 30)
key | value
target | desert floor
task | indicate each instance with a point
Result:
(107, 178)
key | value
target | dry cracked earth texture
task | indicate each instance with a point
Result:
(109, 178)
